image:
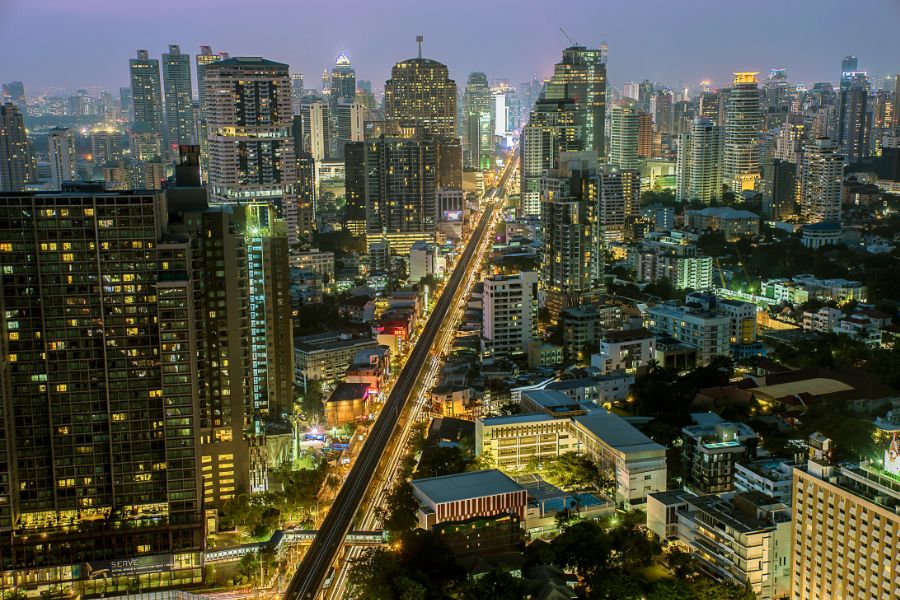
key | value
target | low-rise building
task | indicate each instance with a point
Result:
(544, 354)
(708, 332)
(733, 224)
(348, 403)
(823, 320)
(817, 235)
(711, 448)
(318, 261)
(629, 350)
(464, 496)
(584, 325)
(326, 358)
(425, 259)
(772, 477)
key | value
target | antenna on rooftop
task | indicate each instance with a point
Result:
(419, 40)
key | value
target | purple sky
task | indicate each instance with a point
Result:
(79, 43)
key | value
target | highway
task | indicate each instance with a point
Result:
(309, 577)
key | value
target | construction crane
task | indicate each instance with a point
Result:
(571, 41)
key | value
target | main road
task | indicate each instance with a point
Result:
(309, 577)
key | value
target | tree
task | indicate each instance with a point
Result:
(671, 589)
(248, 567)
(614, 584)
(400, 514)
(509, 408)
(442, 460)
(496, 584)
(312, 403)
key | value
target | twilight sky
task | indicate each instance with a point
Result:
(79, 43)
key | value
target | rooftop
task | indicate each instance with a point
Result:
(462, 486)
(349, 391)
(724, 212)
(616, 432)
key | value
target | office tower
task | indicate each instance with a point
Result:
(16, 166)
(821, 182)
(624, 127)
(572, 263)
(846, 524)
(296, 92)
(448, 152)
(305, 191)
(146, 94)
(699, 163)
(400, 191)
(420, 93)
(349, 119)
(355, 188)
(552, 128)
(662, 111)
(849, 65)
(743, 123)
(478, 127)
(343, 80)
(647, 144)
(251, 145)
(101, 394)
(316, 128)
(620, 201)
(61, 148)
(179, 97)
(779, 189)
(581, 76)
(14, 92)
(854, 122)
(126, 104)
(510, 313)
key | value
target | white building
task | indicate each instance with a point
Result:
(425, 259)
(627, 350)
(315, 260)
(620, 199)
(771, 477)
(698, 172)
(623, 137)
(821, 182)
(510, 313)
(61, 147)
(823, 320)
(703, 330)
(743, 124)
(693, 272)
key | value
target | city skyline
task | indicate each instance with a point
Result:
(526, 43)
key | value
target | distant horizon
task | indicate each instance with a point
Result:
(807, 37)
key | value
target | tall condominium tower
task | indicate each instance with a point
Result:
(478, 126)
(100, 457)
(510, 313)
(355, 188)
(400, 191)
(61, 148)
(316, 128)
(14, 92)
(179, 97)
(349, 125)
(698, 168)
(296, 92)
(897, 101)
(743, 123)
(553, 128)
(204, 59)
(16, 166)
(421, 94)
(849, 64)
(572, 262)
(624, 125)
(854, 122)
(146, 94)
(821, 182)
(619, 201)
(581, 76)
(251, 146)
(662, 111)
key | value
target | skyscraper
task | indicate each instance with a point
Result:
(61, 148)
(553, 128)
(15, 150)
(101, 391)
(478, 127)
(251, 146)
(743, 123)
(581, 76)
(698, 168)
(400, 191)
(126, 104)
(420, 93)
(897, 101)
(355, 188)
(179, 97)
(624, 126)
(146, 94)
(849, 65)
(619, 201)
(349, 120)
(316, 128)
(204, 59)
(821, 181)
(854, 121)
(343, 80)
(662, 113)
(297, 92)
(14, 92)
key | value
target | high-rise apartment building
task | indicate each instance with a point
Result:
(553, 128)
(297, 92)
(581, 77)
(16, 166)
(698, 168)
(61, 148)
(849, 64)
(821, 182)
(619, 201)
(316, 128)
(478, 124)
(203, 60)
(854, 122)
(146, 95)
(101, 390)
(572, 263)
(662, 111)
(350, 125)
(420, 94)
(401, 175)
(624, 128)
(176, 71)
(510, 313)
(780, 190)
(846, 524)
(355, 188)
(251, 145)
(743, 123)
